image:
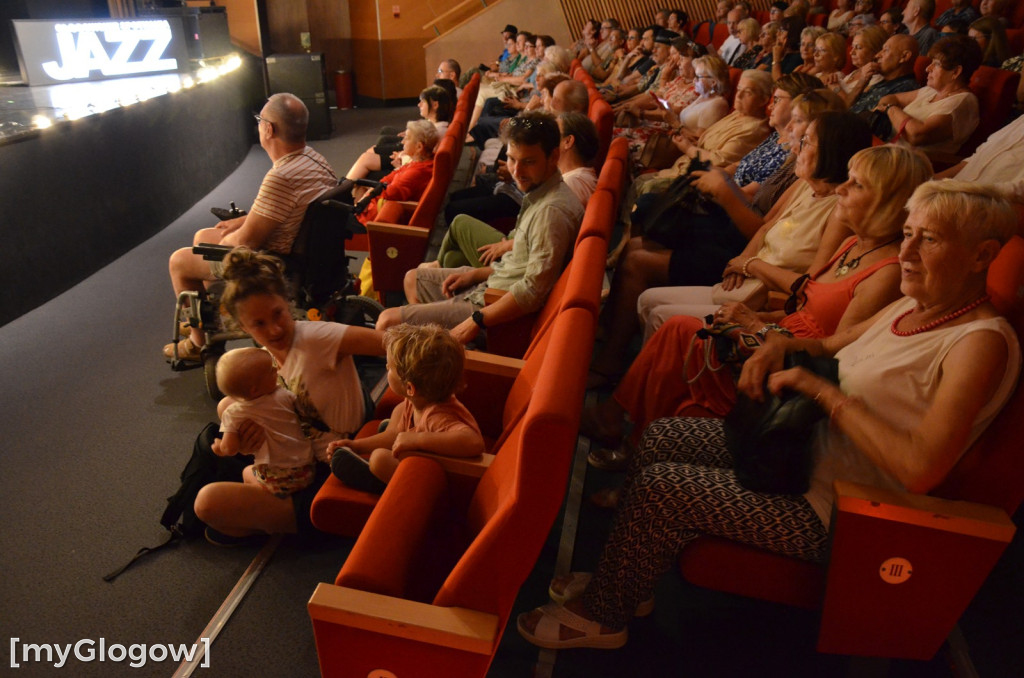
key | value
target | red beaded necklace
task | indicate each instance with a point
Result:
(938, 321)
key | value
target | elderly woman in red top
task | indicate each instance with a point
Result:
(410, 180)
(406, 183)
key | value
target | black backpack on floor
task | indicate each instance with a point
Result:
(203, 467)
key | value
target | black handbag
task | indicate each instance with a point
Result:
(771, 441)
(664, 217)
(879, 123)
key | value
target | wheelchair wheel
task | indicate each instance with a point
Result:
(210, 373)
(357, 310)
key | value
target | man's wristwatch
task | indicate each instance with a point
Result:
(478, 318)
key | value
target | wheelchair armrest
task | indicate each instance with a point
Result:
(211, 252)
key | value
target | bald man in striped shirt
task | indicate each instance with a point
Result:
(299, 174)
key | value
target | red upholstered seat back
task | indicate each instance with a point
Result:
(519, 495)
(1017, 15)
(734, 82)
(996, 90)
(721, 34)
(584, 77)
(392, 212)
(612, 176)
(604, 120)
(431, 200)
(992, 471)
(599, 218)
(1015, 40)
(703, 36)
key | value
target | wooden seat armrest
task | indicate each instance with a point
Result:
(408, 205)
(491, 295)
(497, 365)
(925, 511)
(397, 229)
(472, 467)
(453, 627)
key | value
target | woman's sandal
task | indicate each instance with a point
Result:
(578, 583)
(613, 459)
(547, 633)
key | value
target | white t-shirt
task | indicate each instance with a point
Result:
(582, 181)
(284, 445)
(328, 395)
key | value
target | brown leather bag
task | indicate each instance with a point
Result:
(659, 152)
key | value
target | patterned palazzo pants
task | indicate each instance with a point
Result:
(681, 485)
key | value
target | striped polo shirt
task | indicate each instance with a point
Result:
(290, 185)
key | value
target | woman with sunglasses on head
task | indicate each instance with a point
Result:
(675, 373)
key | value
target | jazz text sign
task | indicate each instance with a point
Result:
(56, 52)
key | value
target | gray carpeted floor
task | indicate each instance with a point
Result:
(96, 429)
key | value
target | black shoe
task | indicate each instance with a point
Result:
(220, 539)
(354, 471)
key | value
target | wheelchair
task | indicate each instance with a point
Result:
(317, 270)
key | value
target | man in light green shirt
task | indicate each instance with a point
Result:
(541, 245)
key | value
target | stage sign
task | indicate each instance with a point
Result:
(58, 52)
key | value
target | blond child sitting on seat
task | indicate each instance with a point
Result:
(284, 461)
(425, 367)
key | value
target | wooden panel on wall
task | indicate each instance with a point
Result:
(243, 24)
(331, 31)
(366, 63)
(288, 20)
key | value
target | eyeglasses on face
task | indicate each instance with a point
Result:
(260, 119)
